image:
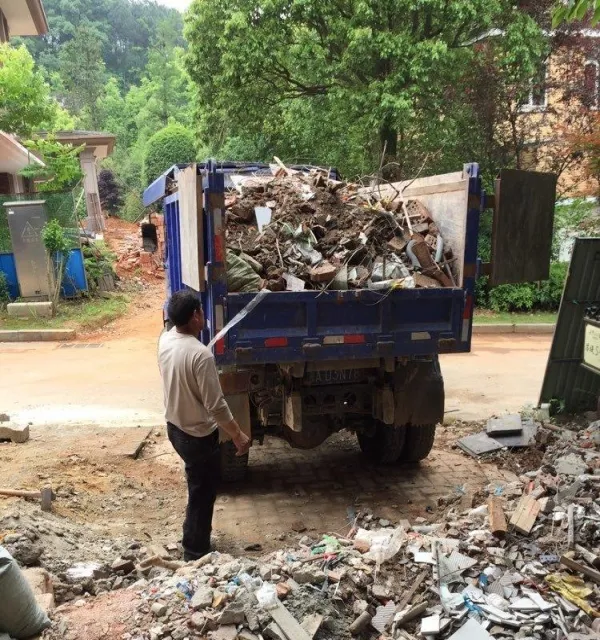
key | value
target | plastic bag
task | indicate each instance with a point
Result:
(267, 596)
(391, 269)
(20, 614)
(241, 277)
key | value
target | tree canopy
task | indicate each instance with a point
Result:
(570, 10)
(24, 96)
(371, 73)
(172, 145)
(126, 29)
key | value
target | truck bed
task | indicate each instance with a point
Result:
(313, 325)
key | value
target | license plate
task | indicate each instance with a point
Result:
(336, 376)
(591, 349)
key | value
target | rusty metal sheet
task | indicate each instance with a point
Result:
(522, 226)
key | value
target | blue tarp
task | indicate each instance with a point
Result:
(74, 280)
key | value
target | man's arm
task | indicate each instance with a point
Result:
(216, 405)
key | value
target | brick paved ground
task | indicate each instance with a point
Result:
(287, 486)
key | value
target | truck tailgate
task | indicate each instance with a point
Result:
(313, 325)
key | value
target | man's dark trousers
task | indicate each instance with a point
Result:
(202, 469)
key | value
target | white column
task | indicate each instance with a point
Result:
(94, 221)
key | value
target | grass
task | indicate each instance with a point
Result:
(85, 314)
(484, 316)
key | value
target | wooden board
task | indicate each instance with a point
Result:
(525, 514)
(191, 228)
(288, 624)
(522, 226)
(497, 518)
(588, 572)
(131, 443)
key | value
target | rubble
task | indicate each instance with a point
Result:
(503, 567)
(299, 231)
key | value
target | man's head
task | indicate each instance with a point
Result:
(185, 312)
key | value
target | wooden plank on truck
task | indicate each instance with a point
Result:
(191, 228)
(522, 226)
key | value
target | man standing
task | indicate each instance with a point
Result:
(195, 409)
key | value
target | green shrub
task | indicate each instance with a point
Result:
(512, 297)
(549, 293)
(4, 295)
(133, 209)
(98, 261)
(528, 296)
(172, 145)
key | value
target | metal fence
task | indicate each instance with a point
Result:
(64, 206)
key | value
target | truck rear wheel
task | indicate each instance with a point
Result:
(418, 442)
(233, 467)
(384, 445)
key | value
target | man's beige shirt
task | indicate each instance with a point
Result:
(194, 400)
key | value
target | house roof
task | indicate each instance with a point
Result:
(14, 156)
(25, 17)
(101, 143)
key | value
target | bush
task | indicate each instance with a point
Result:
(98, 261)
(133, 209)
(172, 145)
(4, 295)
(110, 192)
(549, 293)
(512, 297)
(528, 296)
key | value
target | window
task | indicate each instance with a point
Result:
(591, 84)
(537, 99)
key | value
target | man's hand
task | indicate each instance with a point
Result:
(241, 442)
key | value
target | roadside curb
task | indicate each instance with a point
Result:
(37, 335)
(501, 328)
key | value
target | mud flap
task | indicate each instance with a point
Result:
(239, 404)
(419, 393)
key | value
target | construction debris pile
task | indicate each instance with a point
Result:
(522, 562)
(294, 231)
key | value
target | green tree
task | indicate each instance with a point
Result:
(126, 28)
(61, 170)
(172, 145)
(374, 75)
(83, 75)
(570, 10)
(24, 96)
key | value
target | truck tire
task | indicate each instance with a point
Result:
(384, 445)
(418, 442)
(233, 467)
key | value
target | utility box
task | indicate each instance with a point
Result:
(26, 220)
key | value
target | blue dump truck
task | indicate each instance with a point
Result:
(302, 365)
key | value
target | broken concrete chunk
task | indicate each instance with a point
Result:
(309, 575)
(158, 609)
(126, 566)
(13, 432)
(232, 614)
(570, 465)
(504, 425)
(323, 273)
(360, 624)
(202, 598)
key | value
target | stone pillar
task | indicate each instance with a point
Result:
(94, 221)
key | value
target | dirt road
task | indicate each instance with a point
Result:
(111, 378)
(85, 398)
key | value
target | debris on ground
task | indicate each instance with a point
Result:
(508, 431)
(520, 561)
(294, 231)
